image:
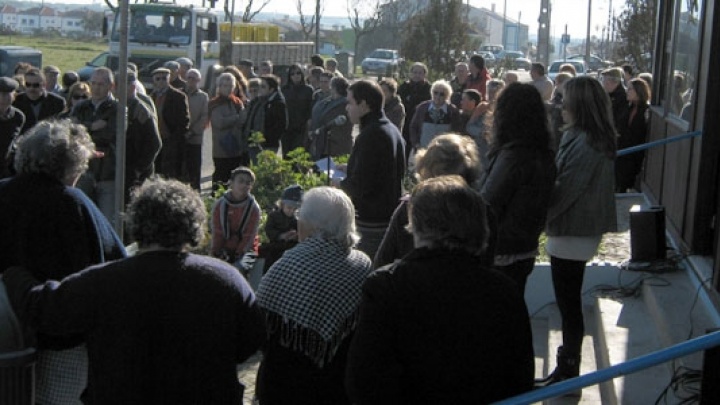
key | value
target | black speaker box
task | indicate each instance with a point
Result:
(647, 234)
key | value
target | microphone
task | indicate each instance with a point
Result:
(338, 121)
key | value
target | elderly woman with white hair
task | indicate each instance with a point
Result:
(311, 297)
(53, 230)
(435, 116)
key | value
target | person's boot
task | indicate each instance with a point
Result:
(568, 366)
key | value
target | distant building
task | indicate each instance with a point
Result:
(8, 17)
(486, 24)
(43, 18)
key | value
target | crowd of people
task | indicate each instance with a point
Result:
(371, 293)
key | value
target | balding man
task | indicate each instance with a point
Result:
(541, 82)
(99, 115)
(198, 104)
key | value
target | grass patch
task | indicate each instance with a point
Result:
(65, 53)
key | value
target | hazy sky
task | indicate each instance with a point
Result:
(571, 12)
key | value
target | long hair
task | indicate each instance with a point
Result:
(520, 117)
(589, 109)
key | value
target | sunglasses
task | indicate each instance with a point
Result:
(33, 85)
(79, 96)
(160, 78)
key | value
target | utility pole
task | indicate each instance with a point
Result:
(587, 38)
(543, 45)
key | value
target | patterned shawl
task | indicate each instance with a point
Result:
(311, 297)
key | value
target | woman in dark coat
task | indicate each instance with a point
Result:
(299, 100)
(437, 327)
(53, 230)
(519, 180)
(628, 167)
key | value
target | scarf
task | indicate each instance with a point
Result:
(311, 297)
(220, 100)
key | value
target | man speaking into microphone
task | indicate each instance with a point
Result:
(376, 166)
(331, 135)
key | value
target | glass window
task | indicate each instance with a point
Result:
(685, 58)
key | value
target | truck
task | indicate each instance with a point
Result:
(160, 32)
(11, 55)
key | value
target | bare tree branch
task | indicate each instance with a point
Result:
(248, 14)
(370, 15)
(306, 26)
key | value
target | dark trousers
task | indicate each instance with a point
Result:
(193, 164)
(519, 272)
(223, 167)
(371, 235)
(169, 162)
(567, 277)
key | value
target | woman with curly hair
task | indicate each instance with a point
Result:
(582, 208)
(53, 230)
(519, 179)
(164, 326)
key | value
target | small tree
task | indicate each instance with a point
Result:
(636, 31)
(364, 19)
(444, 32)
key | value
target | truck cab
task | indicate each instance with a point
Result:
(11, 55)
(158, 33)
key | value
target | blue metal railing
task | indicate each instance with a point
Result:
(659, 142)
(640, 363)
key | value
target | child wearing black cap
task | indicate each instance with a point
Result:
(281, 225)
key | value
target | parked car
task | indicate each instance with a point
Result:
(489, 58)
(86, 71)
(516, 59)
(382, 62)
(554, 68)
(521, 64)
(595, 63)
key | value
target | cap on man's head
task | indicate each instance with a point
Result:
(246, 62)
(161, 71)
(172, 65)
(184, 62)
(51, 69)
(8, 85)
(292, 195)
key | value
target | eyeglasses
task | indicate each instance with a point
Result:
(160, 78)
(79, 96)
(439, 93)
(33, 85)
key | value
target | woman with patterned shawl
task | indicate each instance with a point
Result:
(310, 298)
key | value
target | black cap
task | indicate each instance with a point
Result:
(8, 85)
(292, 195)
(246, 62)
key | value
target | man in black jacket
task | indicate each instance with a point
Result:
(36, 103)
(173, 120)
(376, 166)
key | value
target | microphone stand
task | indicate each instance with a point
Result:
(327, 152)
